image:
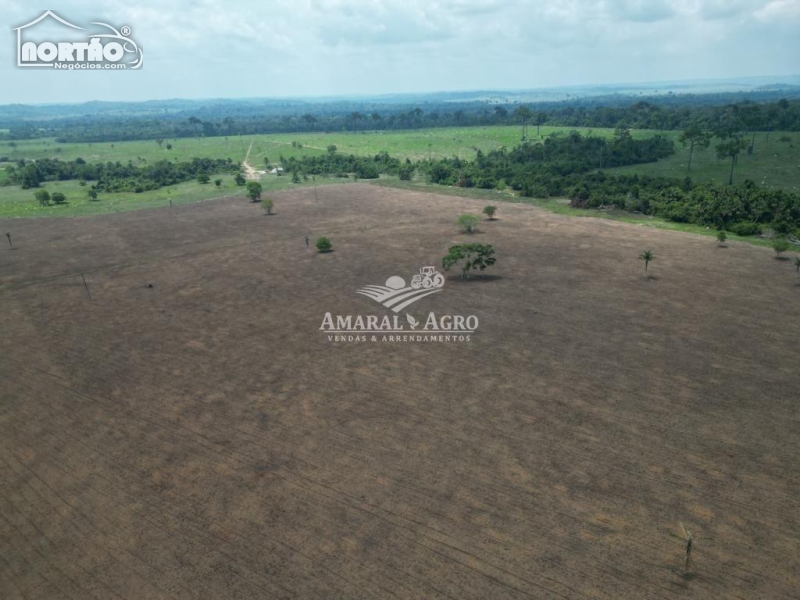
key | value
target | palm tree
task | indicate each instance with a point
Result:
(647, 256)
(524, 114)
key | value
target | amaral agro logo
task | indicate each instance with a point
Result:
(71, 47)
(396, 296)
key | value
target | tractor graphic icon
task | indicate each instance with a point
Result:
(397, 295)
(427, 278)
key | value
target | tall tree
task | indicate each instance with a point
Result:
(730, 148)
(694, 136)
(753, 120)
(539, 119)
(524, 114)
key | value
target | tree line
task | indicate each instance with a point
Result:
(567, 166)
(116, 177)
(779, 115)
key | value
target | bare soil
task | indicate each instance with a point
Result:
(188, 432)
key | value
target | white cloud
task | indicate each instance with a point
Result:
(780, 10)
(321, 47)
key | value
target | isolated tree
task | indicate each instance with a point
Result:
(489, 211)
(254, 191)
(721, 237)
(169, 146)
(647, 256)
(218, 182)
(694, 136)
(42, 197)
(753, 119)
(731, 148)
(324, 244)
(524, 114)
(780, 245)
(58, 198)
(160, 142)
(92, 193)
(469, 257)
(266, 162)
(268, 204)
(203, 178)
(467, 223)
(295, 176)
(239, 179)
(332, 149)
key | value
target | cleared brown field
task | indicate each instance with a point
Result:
(201, 438)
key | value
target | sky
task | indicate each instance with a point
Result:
(240, 49)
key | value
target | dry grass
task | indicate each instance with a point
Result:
(200, 439)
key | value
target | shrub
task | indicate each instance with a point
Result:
(721, 236)
(467, 223)
(239, 179)
(745, 228)
(268, 204)
(42, 197)
(489, 211)
(254, 191)
(579, 196)
(324, 244)
(534, 190)
(59, 198)
(406, 172)
(203, 178)
(780, 245)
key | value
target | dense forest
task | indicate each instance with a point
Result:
(775, 114)
(567, 166)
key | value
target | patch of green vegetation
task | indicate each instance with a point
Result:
(773, 164)
(561, 206)
(16, 202)
(416, 144)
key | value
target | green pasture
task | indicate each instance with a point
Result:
(414, 144)
(773, 163)
(16, 202)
